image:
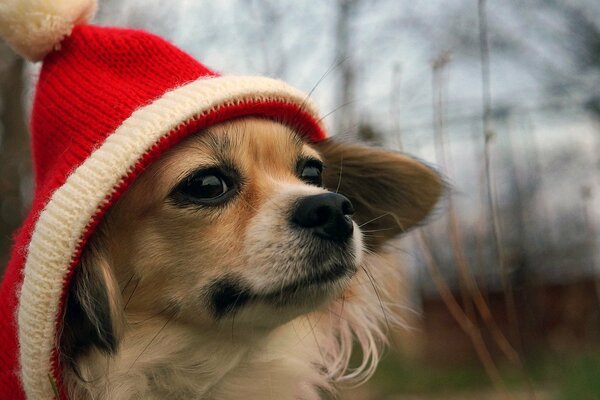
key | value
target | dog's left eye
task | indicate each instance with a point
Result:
(311, 172)
(208, 187)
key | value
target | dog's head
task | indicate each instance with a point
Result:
(244, 221)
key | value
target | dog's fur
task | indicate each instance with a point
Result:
(180, 301)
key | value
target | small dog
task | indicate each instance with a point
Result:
(243, 264)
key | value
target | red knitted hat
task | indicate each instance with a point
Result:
(108, 102)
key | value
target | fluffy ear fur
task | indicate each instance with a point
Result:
(94, 311)
(390, 192)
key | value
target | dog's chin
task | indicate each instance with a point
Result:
(267, 308)
(310, 290)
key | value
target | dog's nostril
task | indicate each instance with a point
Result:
(327, 215)
(319, 215)
(347, 207)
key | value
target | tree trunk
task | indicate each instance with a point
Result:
(346, 121)
(15, 159)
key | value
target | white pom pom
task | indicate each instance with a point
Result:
(33, 28)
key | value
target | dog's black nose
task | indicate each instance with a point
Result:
(327, 215)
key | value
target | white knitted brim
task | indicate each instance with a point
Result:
(58, 233)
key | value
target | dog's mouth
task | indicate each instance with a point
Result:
(229, 294)
(320, 278)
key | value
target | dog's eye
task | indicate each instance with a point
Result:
(311, 172)
(208, 187)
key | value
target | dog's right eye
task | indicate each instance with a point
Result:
(310, 171)
(207, 187)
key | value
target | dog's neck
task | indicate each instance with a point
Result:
(162, 359)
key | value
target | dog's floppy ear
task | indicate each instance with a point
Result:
(390, 192)
(94, 311)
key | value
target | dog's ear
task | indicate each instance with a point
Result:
(390, 192)
(94, 312)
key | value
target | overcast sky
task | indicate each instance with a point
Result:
(295, 41)
(535, 71)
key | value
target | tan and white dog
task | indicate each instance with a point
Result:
(235, 268)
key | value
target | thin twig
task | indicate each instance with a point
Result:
(586, 194)
(395, 104)
(470, 291)
(488, 132)
(461, 318)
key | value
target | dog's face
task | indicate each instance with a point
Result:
(235, 222)
(243, 222)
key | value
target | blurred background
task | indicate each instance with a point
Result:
(501, 291)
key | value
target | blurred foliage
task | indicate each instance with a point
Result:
(397, 375)
(579, 379)
(550, 377)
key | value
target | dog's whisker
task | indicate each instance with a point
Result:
(233, 324)
(372, 280)
(332, 67)
(337, 189)
(337, 109)
(370, 236)
(235, 303)
(248, 204)
(151, 341)
(376, 230)
(375, 219)
(338, 315)
(126, 284)
(312, 329)
(293, 324)
(151, 316)
(137, 282)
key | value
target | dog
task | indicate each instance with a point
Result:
(243, 264)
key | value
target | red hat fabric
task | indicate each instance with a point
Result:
(108, 102)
